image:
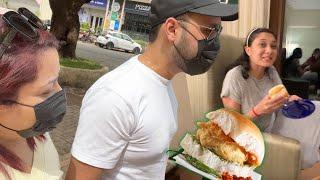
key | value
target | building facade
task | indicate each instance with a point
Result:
(93, 14)
(130, 16)
(136, 17)
(40, 7)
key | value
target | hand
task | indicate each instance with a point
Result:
(268, 105)
(294, 98)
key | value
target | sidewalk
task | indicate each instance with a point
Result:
(64, 134)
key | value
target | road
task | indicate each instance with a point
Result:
(109, 58)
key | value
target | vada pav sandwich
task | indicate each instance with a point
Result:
(228, 145)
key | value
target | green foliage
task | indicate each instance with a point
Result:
(79, 63)
(85, 26)
(141, 42)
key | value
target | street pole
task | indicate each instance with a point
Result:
(122, 15)
(106, 23)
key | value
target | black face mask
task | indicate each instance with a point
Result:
(207, 52)
(48, 114)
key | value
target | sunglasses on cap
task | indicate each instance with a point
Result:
(23, 22)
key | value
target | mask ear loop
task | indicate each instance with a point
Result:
(210, 41)
(23, 104)
(20, 103)
(8, 128)
(176, 46)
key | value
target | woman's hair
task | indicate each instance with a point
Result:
(18, 66)
(315, 51)
(297, 53)
(244, 59)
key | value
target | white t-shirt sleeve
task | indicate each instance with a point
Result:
(231, 87)
(105, 125)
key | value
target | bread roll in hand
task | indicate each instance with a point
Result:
(277, 91)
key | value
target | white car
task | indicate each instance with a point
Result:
(118, 40)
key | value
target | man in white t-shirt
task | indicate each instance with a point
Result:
(129, 115)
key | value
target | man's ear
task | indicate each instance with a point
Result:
(247, 50)
(171, 29)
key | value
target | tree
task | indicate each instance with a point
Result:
(65, 24)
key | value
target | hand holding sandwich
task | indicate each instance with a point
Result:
(275, 99)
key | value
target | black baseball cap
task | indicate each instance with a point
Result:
(163, 9)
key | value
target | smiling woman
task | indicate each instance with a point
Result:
(31, 100)
(245, 87)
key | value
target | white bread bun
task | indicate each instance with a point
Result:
(278, 90)
(241, 129)
(195, 150)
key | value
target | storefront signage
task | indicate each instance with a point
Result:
(115, 7)
(99, 3)
(141, 7)
(116, 25)
(137, 8)
(112, 24)
(114, 15)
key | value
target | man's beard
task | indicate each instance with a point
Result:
(184, 48)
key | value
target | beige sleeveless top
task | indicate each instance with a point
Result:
(46, 165)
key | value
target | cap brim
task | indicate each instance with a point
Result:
(227, 12)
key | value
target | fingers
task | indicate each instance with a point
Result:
(294, 98)
(269, 105)
(279, 101)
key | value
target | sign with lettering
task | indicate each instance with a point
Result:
(114, 15)
(137, 8)
(98, 3)
(115, 7)
(112, 24)
(116, 25)
(141, 7)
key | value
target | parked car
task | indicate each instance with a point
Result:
(120, 41)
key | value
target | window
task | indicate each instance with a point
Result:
(136, 23)
(96, 24)
(117, 35)
(91, 21)
(100, 21)
(112, 34)
(125, 37)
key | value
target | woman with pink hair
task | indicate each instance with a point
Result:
(31, 100)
